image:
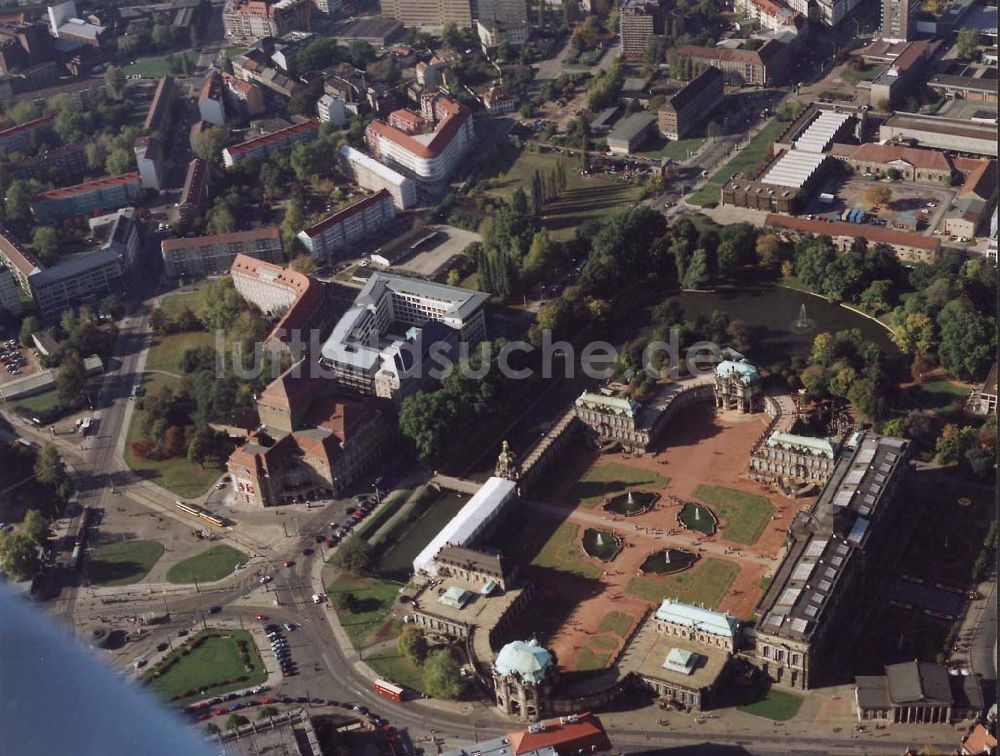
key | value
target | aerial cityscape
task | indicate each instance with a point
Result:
(498, 377)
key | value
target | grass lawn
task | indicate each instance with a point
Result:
(123, 562)
(618, 623)
(375, 599)
(588, 660)
(614, 477)
(155, 67)
(674, 150)
(586, 197)
(47, 401)
(396, 668)
(166, 352)
(937, 395)
(742, 516)
(746, 160)
(212, 564)
(867, 72)
(706, 583)
(177, 475)
(173, 302)
(603, 642)
(776, 705)
(561, 553)
(217, 658)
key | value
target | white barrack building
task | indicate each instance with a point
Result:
(819, 135)
(471, 522)
(794, 169)
(372, 175)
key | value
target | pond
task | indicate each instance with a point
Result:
(601, 544)
(698, 517)
(631, 502)
(667, 561)
(774, 314)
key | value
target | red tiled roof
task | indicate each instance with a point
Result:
(982, 180)
(310, 293)
(250, 144)
(288, 388)
(341, 215)
(457, 115)
(89, 186)
(885, 153)
(266, 232)
(876, 234)
(341, 418)
(586, 734)
(914, 52)
(17, 255)
(27, 126)
(979, 742)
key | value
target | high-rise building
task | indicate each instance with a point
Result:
(640, 20)
(428, 12)
(899, 19)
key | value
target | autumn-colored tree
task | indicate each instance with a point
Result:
(173, 444)
(142, 448)
(878, 196)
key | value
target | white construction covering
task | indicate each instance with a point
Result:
(470, 521)
(794, 169)
(820, 133)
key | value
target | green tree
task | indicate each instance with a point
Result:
(954, 442)
(304, 264)
(538, 255)
(423, 419)
(867, 396)
(71, 380)
(968, 341)
(293, 222)
(967, 42)
(824, 349)
(345, 602)
(696, 275)
(18, 200)
(220, 220)
(209, 143)
(71, 126)
(35, 526)
(354, 555)
(119, 161)
(29, 325)
(160, 37)
(50, 470)
(441, 676)
(19, 556)
(114, 81)
(266, 712)
(236, 720)
(451, 36)
(45, 242)
(412, 644)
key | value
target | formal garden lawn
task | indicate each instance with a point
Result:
(588, 660)
(562, 553)
(746, 160)
(374, 597)
(742, 516)
(123, 562)
(601, 480)
(706, 583)
(618, 623)
(776, 705)
(210, 565)
(213, 656)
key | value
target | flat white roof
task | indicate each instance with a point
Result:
(794, 168)
(820, 133)
(463, 526)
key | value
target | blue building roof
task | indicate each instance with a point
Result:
(687, 615)
(747, 372)
(527, 660)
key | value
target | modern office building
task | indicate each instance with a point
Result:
(379, 345)
(434, 13)
(430, 158)
(355, 222)
(813, 612)
(149, 161)
(899, 19)
(85, 277)
(158, 116)
(109, 193)
(372, 175)
(640, 21)
(248, 21)
(686, 109)
(260, 147)
(199, 256)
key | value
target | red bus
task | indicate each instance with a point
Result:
(388, 689)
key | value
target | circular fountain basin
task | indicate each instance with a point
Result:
(601, 544)
(641, 502)
(698, 517)
(659, 564)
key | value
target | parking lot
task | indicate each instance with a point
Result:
(906, 198)
(18, 361)
(449, 242)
